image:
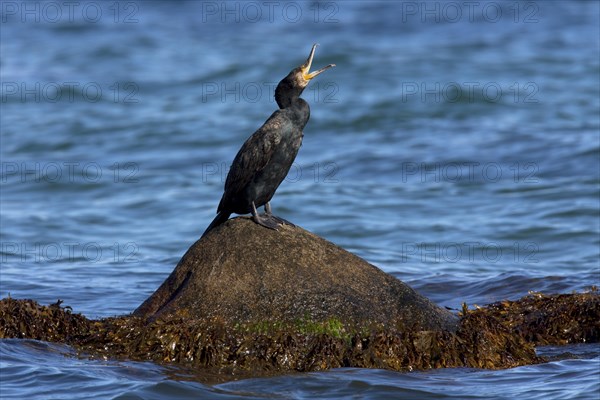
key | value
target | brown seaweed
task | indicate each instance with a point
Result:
(501, 335)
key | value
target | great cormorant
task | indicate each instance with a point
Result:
(266, 157)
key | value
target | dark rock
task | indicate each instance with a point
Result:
(243, 273)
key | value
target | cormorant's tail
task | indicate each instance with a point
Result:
(219, 219)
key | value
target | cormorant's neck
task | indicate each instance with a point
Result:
(300, 112)
(287, 93)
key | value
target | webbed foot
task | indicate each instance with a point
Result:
(280, 220)
(265, 219)
(268, 221)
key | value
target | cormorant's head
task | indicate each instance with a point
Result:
(291, 86)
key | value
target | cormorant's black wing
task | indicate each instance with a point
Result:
(255, 154)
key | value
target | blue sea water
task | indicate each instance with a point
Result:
(455, 145)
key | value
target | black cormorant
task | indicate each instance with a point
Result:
(266, 157)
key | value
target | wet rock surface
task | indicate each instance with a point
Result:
(243, 273)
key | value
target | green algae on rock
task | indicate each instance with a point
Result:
(243, 273)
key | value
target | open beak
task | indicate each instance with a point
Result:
(306, 66)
